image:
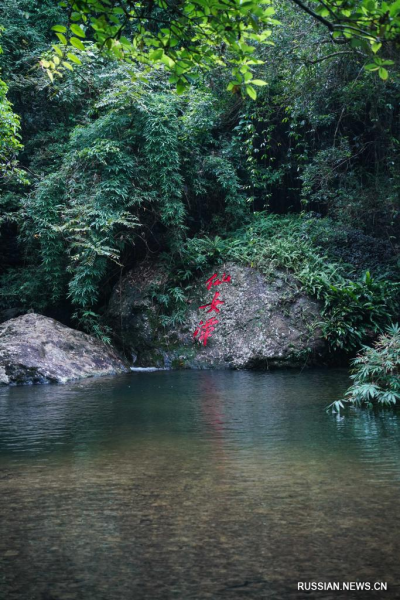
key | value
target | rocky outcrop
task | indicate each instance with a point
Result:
(262, 322)
(36, 349)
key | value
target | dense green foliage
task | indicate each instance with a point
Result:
(204, 34)
(303, 179)
(376, 373)
(10, 138)
(185, 37)
(9, 135)
(121, 178)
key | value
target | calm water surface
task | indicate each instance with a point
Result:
(195, 485)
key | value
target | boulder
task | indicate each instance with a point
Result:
(37, 349)
(263, 321)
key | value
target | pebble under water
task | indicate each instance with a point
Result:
(195, 485)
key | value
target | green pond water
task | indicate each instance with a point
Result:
(195, 485)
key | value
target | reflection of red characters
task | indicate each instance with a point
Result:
(214, 303)
(205, 330)
(210, 282)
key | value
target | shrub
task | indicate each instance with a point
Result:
(376, 373)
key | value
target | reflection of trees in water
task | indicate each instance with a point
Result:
(369, 424)
(272, 415)
(276, 423)
(43, 418)
(370, 441)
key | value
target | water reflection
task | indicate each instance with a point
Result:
(194, 485)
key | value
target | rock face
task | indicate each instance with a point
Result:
(262, 322)
(36, 349)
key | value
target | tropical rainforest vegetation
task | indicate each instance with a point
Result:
(200, 131)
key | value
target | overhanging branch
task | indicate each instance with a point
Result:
(315, 15)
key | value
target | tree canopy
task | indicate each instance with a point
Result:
(196, 35)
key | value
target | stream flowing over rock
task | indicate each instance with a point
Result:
(263, 322)
(37, 349)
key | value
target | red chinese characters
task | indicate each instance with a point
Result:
(204, 330)
(215, 281)
(214, 303)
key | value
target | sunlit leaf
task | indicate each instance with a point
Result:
(77, 30)
(251, 92)
(59, 28)
(76, 43)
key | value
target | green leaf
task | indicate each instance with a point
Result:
(62, 38)
(251, 92)
(77, 43)
(59, 28)
(74, 58)
(67, 65)
(156, 54)
(258, 82)
(77, 30)
(383, 74)
(375, 46)
(58, 50)
(167, 61)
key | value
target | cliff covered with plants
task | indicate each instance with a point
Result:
(281, 153)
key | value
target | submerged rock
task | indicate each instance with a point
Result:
(262, 322)
(37, 349)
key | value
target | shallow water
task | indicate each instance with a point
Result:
(195, 485)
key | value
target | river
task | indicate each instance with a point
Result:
(195, 485)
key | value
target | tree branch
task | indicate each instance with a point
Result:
(315, 16)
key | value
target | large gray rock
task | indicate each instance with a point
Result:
(263, 322)
(36, 349)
